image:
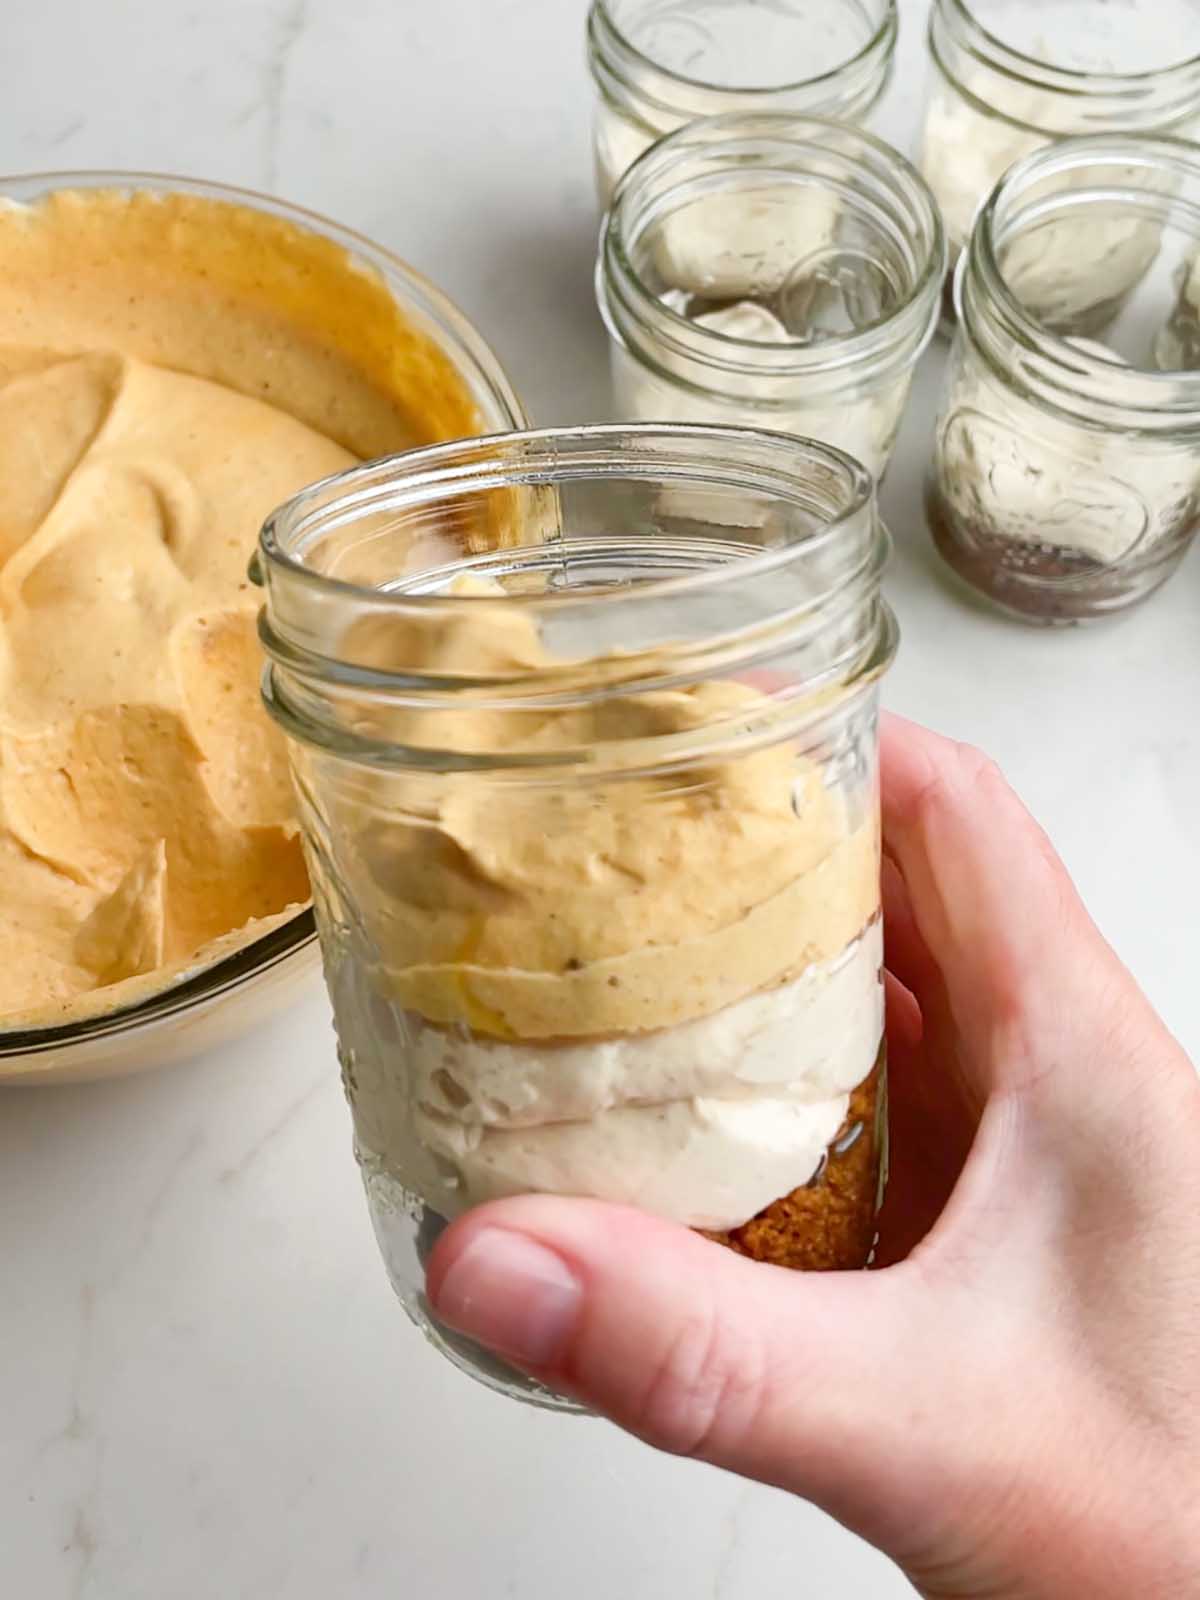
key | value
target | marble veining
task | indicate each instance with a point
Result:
(289, 29)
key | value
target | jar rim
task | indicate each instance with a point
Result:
(468, 345)
(910, 324)
(992, 51)
(1066, 368)
(374, 482)
(817, 585)
(611, 42)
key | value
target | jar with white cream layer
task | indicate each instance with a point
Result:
(587, 779)
(1008, 77)
(1065, 481)
(778, 272)
(658, 64)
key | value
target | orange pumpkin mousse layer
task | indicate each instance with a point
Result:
(171, 368)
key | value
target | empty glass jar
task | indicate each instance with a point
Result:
(772, 271)
(1010, 76)
(658, 64)
(587, 779)
(1065, 481)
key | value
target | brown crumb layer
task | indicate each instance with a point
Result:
(829, 1224)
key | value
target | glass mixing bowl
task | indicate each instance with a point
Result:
(203, 1007)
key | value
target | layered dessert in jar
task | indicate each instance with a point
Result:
(600, 917)
(661, 991)
(778, 272)
(660, 64)
(1010, 77)
(1065, 480)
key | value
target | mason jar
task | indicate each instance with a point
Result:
(1065, 481)
(589, 796)
(658, 64)
(1008, 77)
(771, 271)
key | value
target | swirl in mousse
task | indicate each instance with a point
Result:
(171, 366)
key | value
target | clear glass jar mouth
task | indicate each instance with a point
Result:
(791, 563)
(610, 44)
(902, 333)
(991, 313)
(452, 324)
(373, 486)
(991, 51)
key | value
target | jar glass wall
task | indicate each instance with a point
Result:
(583, 725)
(1008, 77)
(779, 272)
(1065, 481)
(658, 64)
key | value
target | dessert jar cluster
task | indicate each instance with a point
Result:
(1065, 481)
(583, 725)
(1008, 77)
(779, 272)
(658, 64)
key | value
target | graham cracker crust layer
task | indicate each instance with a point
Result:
(829, 1224)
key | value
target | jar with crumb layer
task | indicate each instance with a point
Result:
(658, 64)
(1065, 481)
(778, 272)
(1008, 77)
(588, 791)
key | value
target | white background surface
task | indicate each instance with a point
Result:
(205, 1387)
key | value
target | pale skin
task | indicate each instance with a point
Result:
(1010, 1406)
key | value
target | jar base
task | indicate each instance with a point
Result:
(407, 1230)
(827, 1225)
(1042, 584)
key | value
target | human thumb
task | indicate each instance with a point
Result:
(785, 1377)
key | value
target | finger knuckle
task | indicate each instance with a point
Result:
(975, 770)
(707, 1388)
(959, 771)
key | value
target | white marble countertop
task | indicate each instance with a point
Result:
(205, 1387)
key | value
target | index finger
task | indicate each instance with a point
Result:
(991, 899)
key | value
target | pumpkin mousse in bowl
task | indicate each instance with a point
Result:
(176, 358)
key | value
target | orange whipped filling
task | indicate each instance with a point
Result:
(591, 905)
(171, 368)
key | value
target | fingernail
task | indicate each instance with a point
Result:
(513, 1295)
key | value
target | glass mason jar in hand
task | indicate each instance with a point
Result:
(583, 725)
(1011, 76)
(772, 271)
(1065, 481)
(658, 64)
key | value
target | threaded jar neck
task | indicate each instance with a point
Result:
(606, 563)
(1073, 194)
(867, 232)
(1026, 87)
(663, 64)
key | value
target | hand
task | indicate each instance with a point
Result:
(1011, 1406)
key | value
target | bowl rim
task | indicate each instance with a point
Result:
(484, 374)
(189, 993)
(431, 300)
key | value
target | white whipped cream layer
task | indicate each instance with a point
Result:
(742, 242)
(706, 1123)
(705, 1162)
(862, 420)
(1069, 269)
